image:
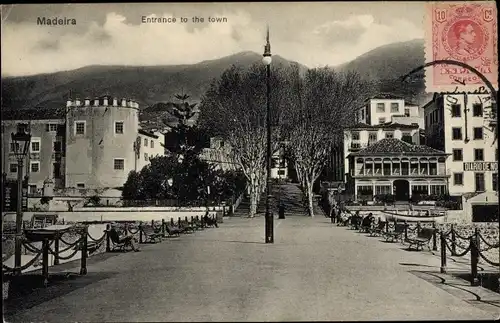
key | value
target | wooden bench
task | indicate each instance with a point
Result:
(151, 235)
(172, 230)
(423, 237)
(399, 229)
(379, 229)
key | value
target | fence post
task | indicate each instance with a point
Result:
(386, 225)
(179, 221)
(443, 253)
(453, 241)
(418, 227)
(406, 230)
(83, 264)
(186, 219)
(172, 222)
(163, 227)
(153, 224)
(140, 232)
(192, 219)
(473, 260)
(45, 261)
(108, 240)
(56, 249)
(434, 236)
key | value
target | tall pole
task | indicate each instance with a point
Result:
(269, 218)
(19, 217)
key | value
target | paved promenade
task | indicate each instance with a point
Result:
(313, 271)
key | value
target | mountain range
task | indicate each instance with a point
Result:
(149, 85)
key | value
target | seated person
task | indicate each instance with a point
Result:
(127, 239)
(368, 221)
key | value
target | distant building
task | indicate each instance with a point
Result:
(219, 154)
(89, 144)
(387, 108)
(279, 164)
(392, 166)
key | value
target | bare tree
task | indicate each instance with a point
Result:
(234, 108)
(326, 105)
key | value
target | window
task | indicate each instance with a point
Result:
(406, 137)
(479, 182)
(372, 136)
(455, 111)
(80, 185)
(281, 172)
(381, 120)
(145, 142)
(51, 127)
(22, 127)
(494, 181)
(407, 112)
(57, 146)
(56, 170)
(145, 156)
(119, 127)
(456, 133)
(477, 110)
(80, 127)
(35, 145)
(380, 107)
(152, 143)
(478, 154)
(389, 134)
(14, 146)
(32, 189)
(119, 164)
(478, 133)
(35, 166)
(458, 155)
(394, 107)
(13, 168)
(355, 135)
(458, 179)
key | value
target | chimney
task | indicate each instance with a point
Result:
(96, 102)
(124, 102)
(130, 103)
(87, 102)
(77, 102)
(105, 101)
(115, 102)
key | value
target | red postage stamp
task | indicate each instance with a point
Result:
(464, 32)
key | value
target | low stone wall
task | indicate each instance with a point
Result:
(118, 214)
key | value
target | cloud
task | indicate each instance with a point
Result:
(30, 49)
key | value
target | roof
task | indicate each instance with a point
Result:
(32, 114)
(390, 125)
(393, 146)
(385, 96)
(147, 133)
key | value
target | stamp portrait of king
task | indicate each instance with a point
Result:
(464, 32)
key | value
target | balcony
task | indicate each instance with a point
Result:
(405, 173)
(356, 146)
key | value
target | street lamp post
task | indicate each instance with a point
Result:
(269, 219)
(21, 141)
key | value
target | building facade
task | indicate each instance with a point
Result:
(383, 108)
(392, 166)
(361, 136)
(89, 144)
(464, 127)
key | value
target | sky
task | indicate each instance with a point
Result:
(313, 34)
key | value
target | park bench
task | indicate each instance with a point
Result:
(423, 237)
(118, 244)
(366, 225)
(210, 222)
(355, 222)
(379, 229)
(186, 227)
(172, 230)
(399, 230)
(151, 235)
